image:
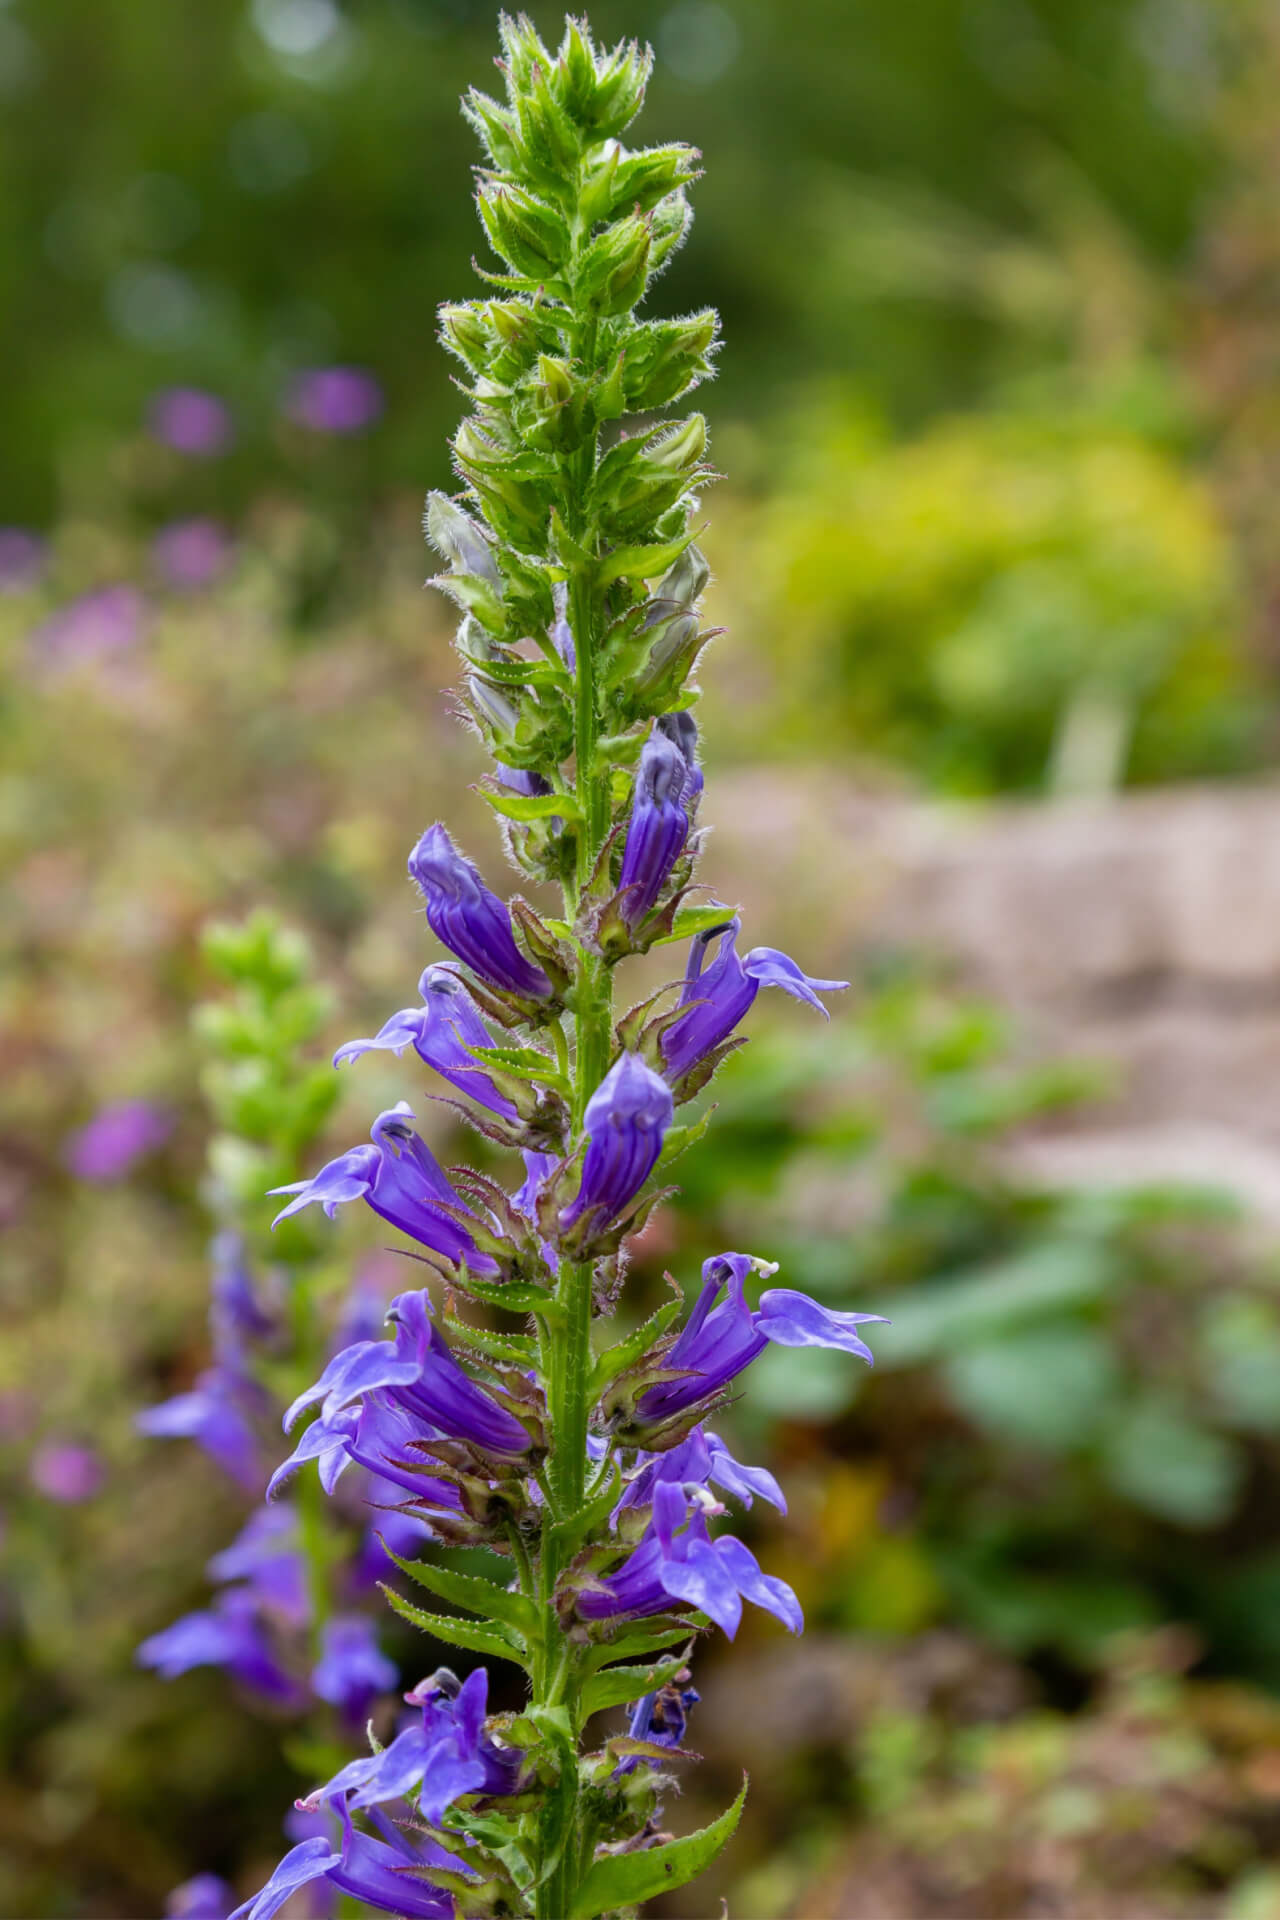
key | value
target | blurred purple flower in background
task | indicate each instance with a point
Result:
(229, 1634)
(335, 400)
(93, 627)
(116, 1138)
(206, 1897)
(191, 421)
(65, 1471)
(218, 1414)
(352, 1668)
(22, 559)
(190, 554)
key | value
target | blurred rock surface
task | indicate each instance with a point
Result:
(1142, 931)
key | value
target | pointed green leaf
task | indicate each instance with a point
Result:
(617, 1359)
(643, 563)
(678, 1140)
(462, 1886)
(493, 1603)
(500, 1837)
(532, 806)
(619, 1686)
(523, 1063)
(691, 920)
(512, 1349)
(625, 1879)
(517, 1296)
(516, 673)
(474, 595)
(574, 1529)
(642, 1641)
(493, 1640)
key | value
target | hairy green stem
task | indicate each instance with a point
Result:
(592, 1002)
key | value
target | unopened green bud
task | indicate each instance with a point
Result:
(667, 357)
(550, 410)
(682, 449)
(687, 580)
(614, 274)
(497, 129)
(530, 236)
(576, 77)
(671, 638)
(494, 707)
(556, 380)
(463, 331)
(460, 539)
(522, 51)
(547, 134)
(516, 502)
(643, 179)
(672, 219)
(619, 92)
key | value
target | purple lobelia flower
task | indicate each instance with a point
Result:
(446, 1755)
(236, 1318)
(625, 1120)
(420, 1382)
(400, 1178)
(206, 1897)
(444, 1032)
(341, 400)
(560, 632)
(379, 1873)
(266, 1556)
(659, 826)
(23, 557)
(682, 728)
(717, 1342)
(520, 780)
(229, 1634)
(678, 1560)
(118, 1136)
(191, 421)
(718, 995)
(66, 1472)
(190, 554)
(352, 1669)
(461, 540)
(218, 1413)
(382, 1436)
(701, 1460)
(470, 919)
(660, 1719)
(538, 1168)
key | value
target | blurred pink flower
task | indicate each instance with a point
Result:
(63, 1470)
(335, 400)
(191, 421)
(116, 1137)
(190, 554)
(22, 559)
(94, 627)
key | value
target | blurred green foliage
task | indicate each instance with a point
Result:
(1038, 595)
(308, 203)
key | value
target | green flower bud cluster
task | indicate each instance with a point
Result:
(571, 515)
(269, 1104)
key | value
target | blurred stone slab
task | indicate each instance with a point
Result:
(1142, 931)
